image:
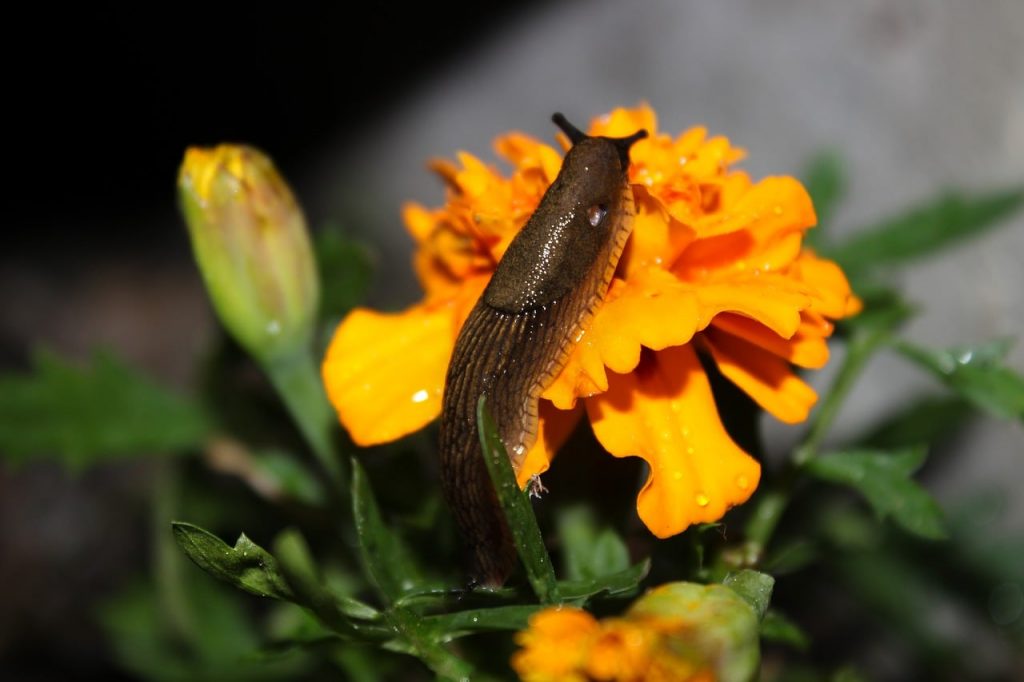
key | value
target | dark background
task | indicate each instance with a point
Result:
(100, 106)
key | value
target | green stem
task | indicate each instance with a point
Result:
(297, 381)
(167, 559)
(772, 504)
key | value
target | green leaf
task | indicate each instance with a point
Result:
(385, 557)
(925, 229)
(777, 628)
(307, 584)
(927, 421)
(518, 512)
(290, 476)
(884, 479)
(976, 373)
(756, 588)
(345, 268)
(589, 551)
(83, 416)
(826, 183)
(461, 623)
(606, 585)
(246, 565)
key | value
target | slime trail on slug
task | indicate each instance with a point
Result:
(519, 334)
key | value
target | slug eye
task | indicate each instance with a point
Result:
(595, 214)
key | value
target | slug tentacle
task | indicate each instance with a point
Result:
(519, 334)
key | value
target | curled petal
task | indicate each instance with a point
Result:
(806, 348)
(657, 238)
(622, 122)
(775, 302)
(832, 295)
(772, 205)
(763, 376)
(384, 373)
(664, 412)
(554, 428)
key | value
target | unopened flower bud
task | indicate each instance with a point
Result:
(250, 241)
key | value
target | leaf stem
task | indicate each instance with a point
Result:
(772, 504)
(296, 379)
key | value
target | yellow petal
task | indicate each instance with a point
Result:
(384, 373)
(763, 376)
(554, 428)
(664, 412)
(622, 122)
(773, 204)
(657, 238)
(773, 301)
(807, 348)
(832, 295)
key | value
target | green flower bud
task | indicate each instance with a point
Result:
(708, 623)
(250, 241)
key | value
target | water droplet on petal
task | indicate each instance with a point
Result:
(677, 475)
(777, 210)
(702, 500)
(742, 482)
(420, 396)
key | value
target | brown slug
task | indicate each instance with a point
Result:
(518, 337)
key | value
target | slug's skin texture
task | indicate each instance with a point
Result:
(519, 334)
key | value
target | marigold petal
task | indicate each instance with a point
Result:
(807, 347)
(653, 309)
(775, 302)
(555, 645)
(384, 373)
(657, 238)
(831, 293)
(553, 429)
(664, 412)
(622, 122)
(771, 205)
(763, 376)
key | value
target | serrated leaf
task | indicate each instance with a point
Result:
(521, 521)
(387, 560)
(83, 416)
(925, 229)
(826, 183)
(976, 373)
(589, 551)
(345, 267)
(246, 565)
(884, 479)
(778, 629)
(755, 587)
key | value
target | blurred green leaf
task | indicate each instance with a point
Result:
(222, 643)
(589, 551)
(345, 269)
(755, 587)
(884, 310)
(387, 560)
(976, 373)
(884, 479)
(776, 628)
(83, 416)
(790, 557)
(461, 623)
(290, 476)
(246, 565)
(518, 511)
(308, 587)
(924, 229)
(826, 183)
(611, 584)
(927, 421)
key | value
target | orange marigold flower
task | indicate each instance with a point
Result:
(681, 632)
(715, 264)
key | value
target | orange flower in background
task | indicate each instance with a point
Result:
(677, 632)
(715, 265)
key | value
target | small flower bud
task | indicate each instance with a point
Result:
(250, 241)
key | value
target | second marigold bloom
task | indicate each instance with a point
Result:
(715, 264)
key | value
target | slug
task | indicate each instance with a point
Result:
(518, 336)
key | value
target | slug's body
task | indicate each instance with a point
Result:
(519, 335)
